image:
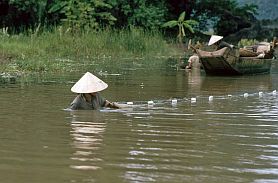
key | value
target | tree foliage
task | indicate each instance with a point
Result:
(182, 25)
(86, 14)
(225, 16)
(22, 13)
(83, 13)
(149, 14)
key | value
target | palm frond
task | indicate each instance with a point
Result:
(191, 22)
(187, 26)
(171, 23)
(181, 17)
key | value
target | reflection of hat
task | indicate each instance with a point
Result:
(89, 83)
(213, 39)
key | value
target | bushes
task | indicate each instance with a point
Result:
(247, 42)
(61, 50)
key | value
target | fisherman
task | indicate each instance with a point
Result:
(193, 60)
(88, 98)
(217, 40)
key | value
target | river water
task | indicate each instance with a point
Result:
(231, 138)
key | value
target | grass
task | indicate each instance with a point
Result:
(60, 50)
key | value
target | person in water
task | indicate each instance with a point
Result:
(217, 40)
(89, 98)
(193, 60)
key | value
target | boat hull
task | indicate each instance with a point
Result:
(228, 62)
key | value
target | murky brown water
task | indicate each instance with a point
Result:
(230, 139)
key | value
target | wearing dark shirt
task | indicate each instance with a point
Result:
(80, 103)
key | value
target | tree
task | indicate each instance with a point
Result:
(24, 14)
(20, 14)
(182, 25)
(225, 16)
(148, 14)
(84, 14)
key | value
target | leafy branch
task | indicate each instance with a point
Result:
(182, 25)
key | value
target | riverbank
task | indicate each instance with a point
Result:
(60, 50)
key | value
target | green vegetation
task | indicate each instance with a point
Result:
(182, 24)
(62, 50)
(225, 16)
(85, 15)
(60, 35)
(247, 42)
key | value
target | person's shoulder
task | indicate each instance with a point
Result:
(76, 102)
(98, 95)
(77, 99)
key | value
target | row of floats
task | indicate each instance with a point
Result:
(210, 98)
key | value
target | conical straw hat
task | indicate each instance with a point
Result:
(89, 83)
(213, 39)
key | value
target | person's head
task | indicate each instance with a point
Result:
(214, 39)
(93, 94)
(89, 84)
(88, 96)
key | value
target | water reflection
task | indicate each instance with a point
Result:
(200, 84)
(195, 80)
(87, 133)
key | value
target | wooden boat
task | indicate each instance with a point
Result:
(227, 61)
